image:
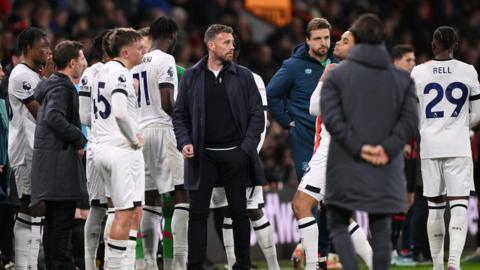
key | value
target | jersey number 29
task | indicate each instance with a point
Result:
(459, 102)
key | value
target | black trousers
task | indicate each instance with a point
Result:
(228, 168)
(421, 247)
(380, 226)
(7, 220)
(59, 221)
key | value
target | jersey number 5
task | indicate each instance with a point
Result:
(101, 99)
(459, 102)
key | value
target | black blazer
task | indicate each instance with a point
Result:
(189, 117)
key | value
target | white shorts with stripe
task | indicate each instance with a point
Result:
(23, 174)
(163, 161)
(314, 180)
(254, 197)
(447, 176)
(123, 171)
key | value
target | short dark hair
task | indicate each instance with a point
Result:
(446, 36)
(215, 29)
(106, 43)
(66, 51)
(122, 37)
(163, 27)
(368, 29)
(398, 51)
(315, 24)
(28, 37)
(97, 51)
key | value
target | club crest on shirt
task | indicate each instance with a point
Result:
(26, 86)
(308, 71)
(122, 78)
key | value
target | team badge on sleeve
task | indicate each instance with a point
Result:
(122, 78)
(26, 86)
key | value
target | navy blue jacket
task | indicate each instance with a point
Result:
(189, 118)
(290, 89)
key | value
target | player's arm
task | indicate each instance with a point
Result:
(23, 91)
(55, 113)
(120, 112)
(166, 83)
(474, 101)
(84, 100)
(314, 108)
(277, 89)
(32, 106)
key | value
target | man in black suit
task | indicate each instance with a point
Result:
(218, 120)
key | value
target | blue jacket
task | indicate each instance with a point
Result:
(290, 89)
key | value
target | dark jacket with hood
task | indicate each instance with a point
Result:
(365, 100)
(57, 169)
(290, 89)
(247, 111)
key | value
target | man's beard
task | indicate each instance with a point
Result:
(224, 58)
(320, 52)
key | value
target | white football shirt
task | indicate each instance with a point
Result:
(444, 89)
(21, 85)
(88, 82)
(112, 78)
(263, 93)
(157, 69)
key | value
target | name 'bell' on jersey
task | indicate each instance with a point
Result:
(21, 85)
(444, 90)
(157, 70)
(113, 77)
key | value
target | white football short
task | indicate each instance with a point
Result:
(447, 176)
(254, 197)
(163, 161)
(314, 180)
(95, 185)
(123, 171)
(23, 173)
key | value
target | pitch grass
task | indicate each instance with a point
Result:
(287, 265)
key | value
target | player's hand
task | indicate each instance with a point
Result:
(48, 68)
(140, 143)
(187, 151)
(81, 152)
(1, 168)
(326, 71)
